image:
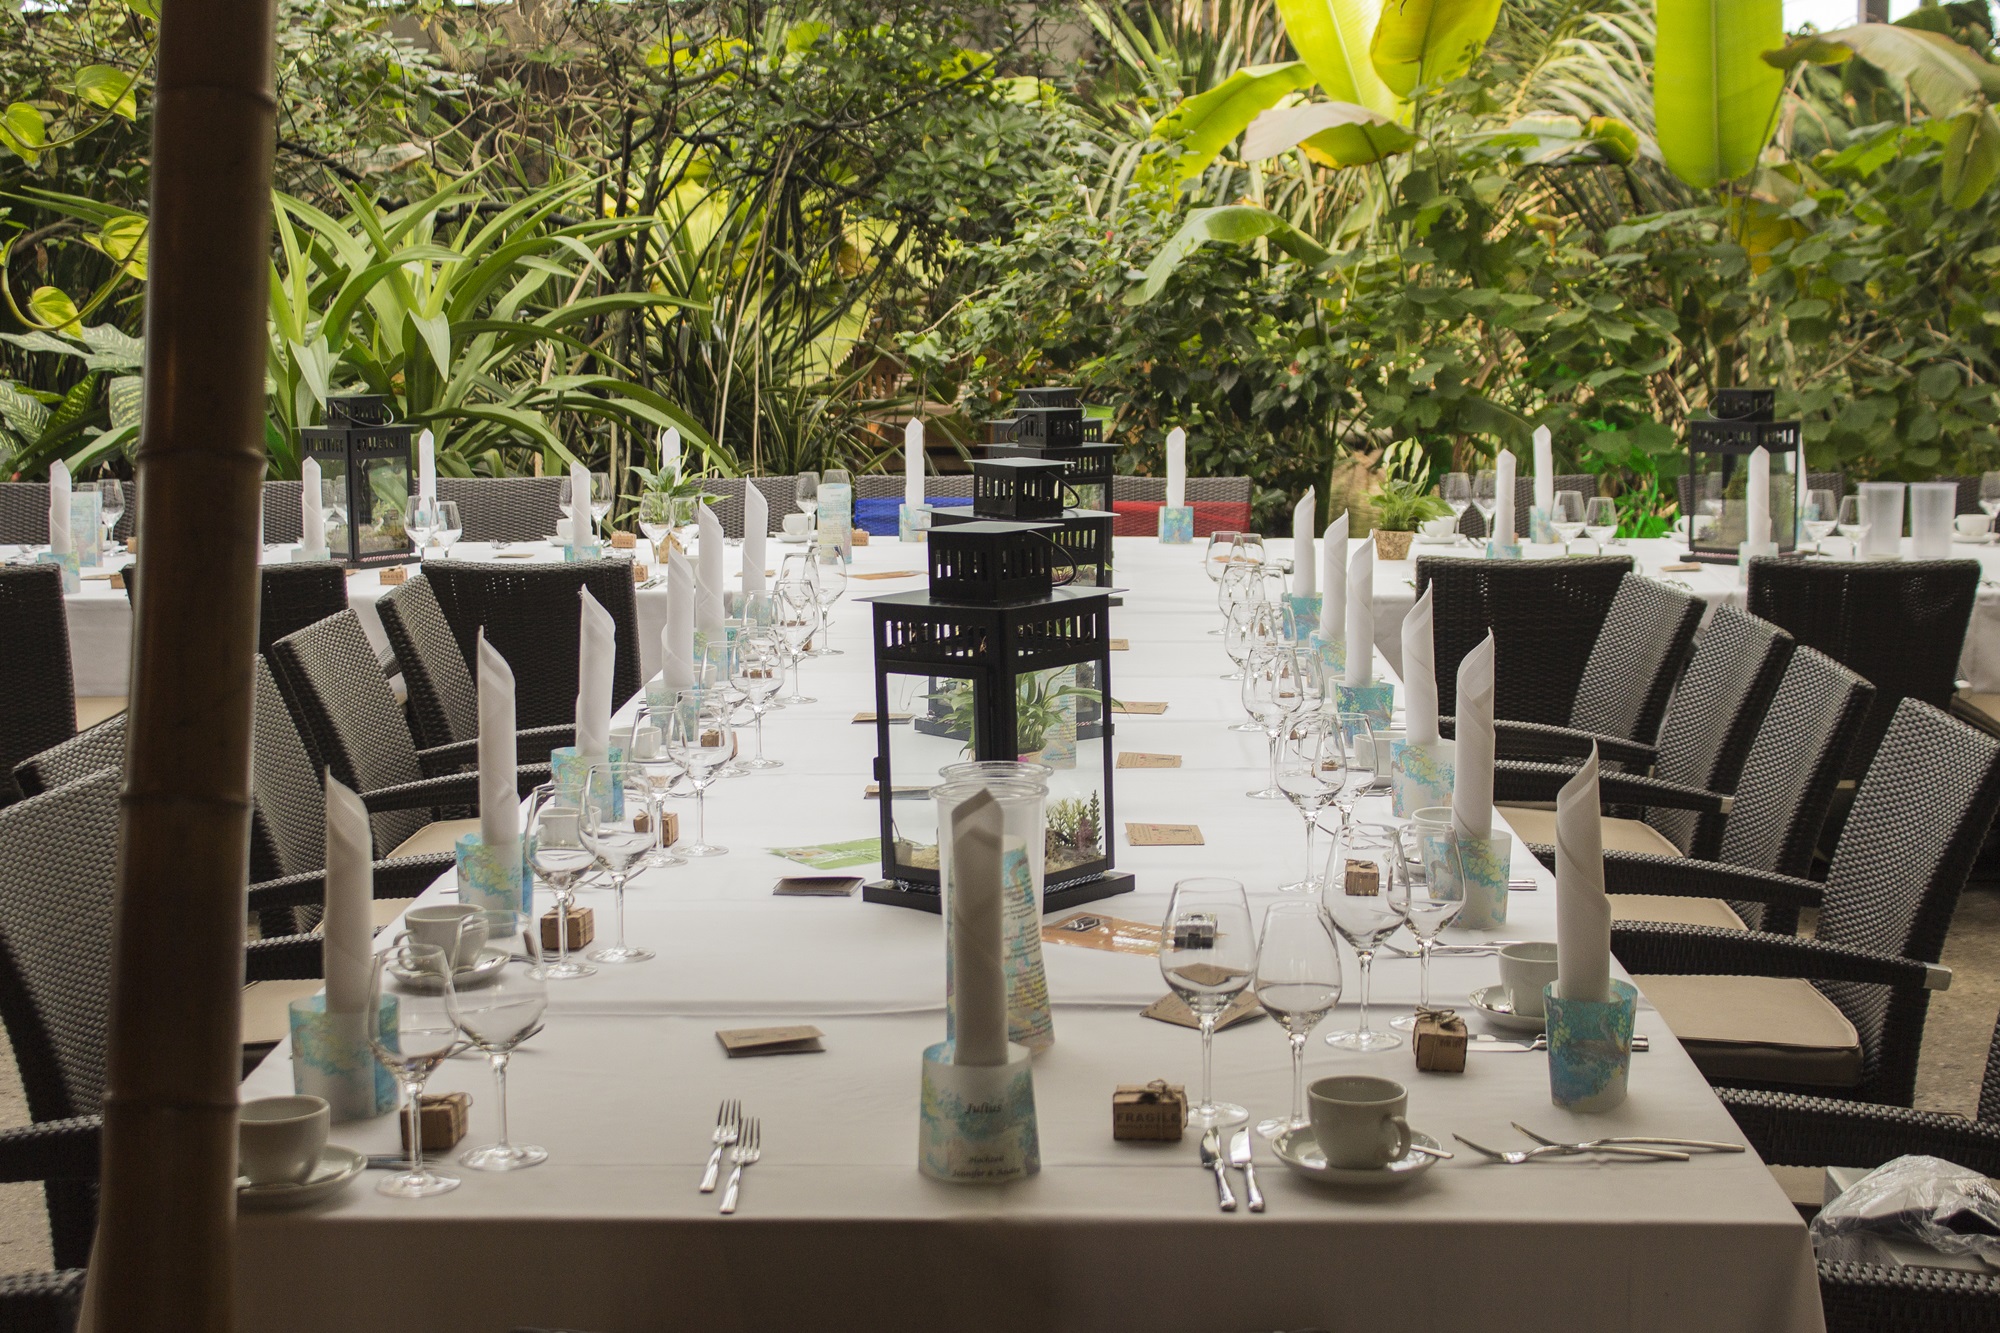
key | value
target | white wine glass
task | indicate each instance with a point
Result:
(795, 617)
(1854, 524)
(1297, 983)
(1312, 773)
(449, 526)
(601, 497)
(420, 520)
(110, 508)
(656, 519)
(558, 856)
(1486, 497)
(1822, 512)
(1358, 897)
(1989, 493)
(498, 1010)
(414, 981)
(616, 833)
(1273, 694)
(1208, 953)
(829, 582)
(805, 493)
(647, 754)
(1429, 902)
(758, 670)
(1567, 517)
(1600, 520)
(1215, 556)
(703, 742)
(1456, 491)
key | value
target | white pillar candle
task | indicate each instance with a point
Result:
(1176, 468)
(913, 463)
(978, 971)
(1503, 498)
(1305, 571)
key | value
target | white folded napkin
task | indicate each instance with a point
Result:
(677, 635)
(596, 651)
(1545, 471)
(312, 519)
(1472, 790)
(579, 504)
(913, 463)
(1333, 578)
(1757, 498)
(670, 451)
(499, 796)
(1583, 911)
(347, 928)
(978, 908)
(1420, 689)
(1305, 562)
(756, 530)
(59, 538)
(1176, 468)
(1503, 498)
(427, 466)
(1361, 616)
(708, 573)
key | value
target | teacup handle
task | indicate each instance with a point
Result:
(1402, 1137)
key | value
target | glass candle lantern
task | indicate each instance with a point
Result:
(366, 457)
(1716, 521)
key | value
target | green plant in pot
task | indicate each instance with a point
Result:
(1404, 501)
(668, 499)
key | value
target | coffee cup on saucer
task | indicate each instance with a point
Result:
(796, 525)
(1359, 1120)
(279, 1139)
(1439, 529)
(1526, 968)
(1973, 525)
(456, 928)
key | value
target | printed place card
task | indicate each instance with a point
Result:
(1163, 835)
(771, 1041)
(817, 886)
(889, 574)
(1109, 933)
(894, 718)
(873, 792)
(1137, 708)
(1121, 645)
(1688, 567)
(1173, 1009)
(1138, 759)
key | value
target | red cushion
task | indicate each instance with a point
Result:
(1140, 518)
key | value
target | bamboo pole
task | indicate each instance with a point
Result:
(165, 1257)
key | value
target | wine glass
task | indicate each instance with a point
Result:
(332, 506)
(1297, 983)
(759, 670)
(1821, 513)
(497, 1012)
(600, 498)
(656, 518)
(422, 1036)
(1600, 520)
(615, 832)
(1424, 903)
(1486, 496)
(1567, 517)
(829, 581)
(1208, 953)
(1854, 524)
(420, 520)
(646, 751)
(838, 476)
(1358, 896)
(702, 741)
(1456, 489)
(806, 493)
(1215, 557)
(1314, 769)
(1989, 493)
(110, 508)
(1274, 694)
(1239, 584)
(795, 617)
(449, 526)
(557, 853)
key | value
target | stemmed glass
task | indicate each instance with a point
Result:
(1600, 520)
(1215, 557)
(1357, 732)
(1567, 517)
(557, 853)
(1314, 771)
(1989, 493)
(656, 518)
(1274, 694)
(1486, 497)
(420, 520)
(758, 671)
(110, 508)
(600, 498)
(423, 1037)
(1208, 953)
(613, 804)
(1821, 512)
(795, 617)
(702, 742)
(1239, 586)
(449, 527)
(829, 581)
(806, 494)
(1424, 905)
(1297, 983)
(1853, 525)
(1359, 897)
(646, 750)
(1456, 489)
(497, 1013)
(332, 506)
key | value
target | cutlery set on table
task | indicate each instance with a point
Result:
(738, 1139)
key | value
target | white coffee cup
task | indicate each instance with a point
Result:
(1358, 1120)
(562, 531)
(1440, 529)
(1526, 968)
(797, 525)
(279, 1139)
(458, 929)
(1972, 525)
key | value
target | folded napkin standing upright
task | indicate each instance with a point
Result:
(756, 527)
(677, 634)
(1333, 579)
(1583, 911)
(1361, 616)
(1176, 468)
(1472, 789)
(580, 529)
(708, 571)
(427, 467)
(913, 463)
(1305, 568)
(978, 910)
(312, 519)
(347, 926)
(60, 542)
(1503, 533)
(1420, 691)
(597, 649)
(670, 452)
(499, 794)
(1545, 471)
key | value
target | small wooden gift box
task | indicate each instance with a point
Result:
(394, 576)
(670, 826)
(443, 1117)
(1440, 1042)
(859, 536)
(1154, 1113)
(582, 929)
(623, 541)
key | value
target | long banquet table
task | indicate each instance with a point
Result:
(838, 1229)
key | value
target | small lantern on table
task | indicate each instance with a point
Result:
(366, 459)
(1719, 447)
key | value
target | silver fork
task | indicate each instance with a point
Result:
(1518, 1156)
(742, 1155)
(728, 1124)
(1711, 1145)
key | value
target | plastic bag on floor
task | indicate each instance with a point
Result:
(1926, 1201)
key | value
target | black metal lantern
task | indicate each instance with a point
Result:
(992, 663)
(1719, 446)
(368, 460)
(1083, 536)
(1022, 488)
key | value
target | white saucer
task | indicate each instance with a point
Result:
(1437, 541)
(1492, 1002)
(1297, 1149)
(478, 973)
(1979, 540)
(337, 1166)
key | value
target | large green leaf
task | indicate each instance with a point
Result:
(1939, 73)
(1233, 224)
(1336, 134)
(1971, 157)
(1205, 124)
(1332, 37)
(123, 396)
(23, 131)
(101, 85)
(1715, 100)
(1430, 42)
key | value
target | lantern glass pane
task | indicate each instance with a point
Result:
(1088, 496)
(940, 732)
(1059, 722)
(379, 522)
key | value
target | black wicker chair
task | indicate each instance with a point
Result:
(1704, 739)
(38, 1302)
(102, 746)
(353, 727)
(37, 693)
(1472, 523)
(504, 509)
(1545, 616)
(24, 513)
(1743, 1001)
(530, 614)
(290, 597)
(443, 698)
(1899, 624)
(284, 516)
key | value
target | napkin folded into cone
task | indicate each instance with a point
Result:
(596, 652)
(1545, 471)
(708, 575)
(1177, 468)
(580, 530)
(913, 463)
(978, 913)
(1305, 568)
(1504, 529)
(677, 634)
(1583, 911)
(60, 542)
(347, 944)
(312, 518)
(1472, 789)
(499, 797)
(1333, 580)
(1420, 691)
(756, 528)
(1361, 616)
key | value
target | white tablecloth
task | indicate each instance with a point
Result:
(838, 1229)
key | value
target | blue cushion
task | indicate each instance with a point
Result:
(877, 517)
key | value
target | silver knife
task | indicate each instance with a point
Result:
(1211, 1157)
(1239, 1157)
(1482, 1042)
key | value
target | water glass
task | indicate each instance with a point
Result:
(1419, 899)
(1312, 774)
(1297, 983)
(1854, 524)
(1208, 954)
(613, 804)
(498, 1010)
(1567, 517)
(795, 618)
(656, 519)
(703, 742)
(1273, 694)
(110, 507)
(1486, 496)
(420, 520)
(647, 755)
(806, 494)
(1359, 897)
(558, 856)
(1456, 491)
(758, 670)
(418, 977)
(829, 581)
(1600, 520)
(1215, 558)
(449, 526)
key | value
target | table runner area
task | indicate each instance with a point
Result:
(837, 1227)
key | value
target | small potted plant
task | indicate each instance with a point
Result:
(1404, 502)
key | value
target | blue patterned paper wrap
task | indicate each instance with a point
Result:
(1176, 525)
(1377, 700)
(1503, 550)
(86, 527)
(1540, 530)
(331, 1059)
(493, 880)
(72, 576)
(1590, 1047)
(1423, 776)
(978, 1121)
(1305, 615)
(1482, 886)
(836, 520)
(587, 551)
(304, 555)
(1332, 654)
(913, 524)
(567, 769)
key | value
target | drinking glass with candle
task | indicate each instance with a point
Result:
(496, 1015)
(1422, 901)
(557, 853)
(1208, 953)
(1358, 897)
(702, 741)
(615, 832)
(422, 1037)
(1297, 983)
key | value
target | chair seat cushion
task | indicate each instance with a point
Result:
(1682, 911)
(1758, 1029)
(441, 836)
(93, 709)
(1620, 835)
(267, 1005)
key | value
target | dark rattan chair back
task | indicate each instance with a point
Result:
(37, 696)
(443, 701)
(290, 597)
(24, 513)
(1899, 624)
(288, 805)
(1637, 660)
(103, 746)
(1919, 817)
(504, 509)
(284, 513)
(1545, 616)
(530, 614)
(353, 726)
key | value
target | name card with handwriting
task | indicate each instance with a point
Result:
(1163, 835)
(1137, 708)
(1136, 759)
